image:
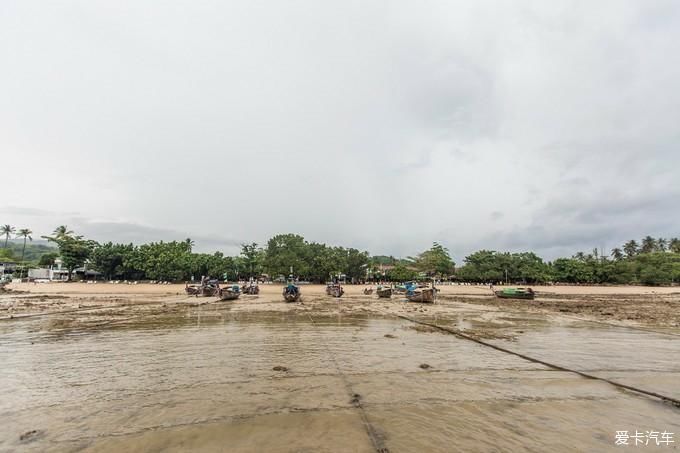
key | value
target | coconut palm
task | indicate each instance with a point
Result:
(62, 230)
(631, 248)
(6, 230)
(674, 245)
(26, 234)
(662, 244)
(648, 245)
(617, 254)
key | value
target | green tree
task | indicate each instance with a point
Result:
(674, 245)
(649, 245)
(631, 248)
(26, 234)
(74, 250)
(357, 263)
(435, 262)
(62, 230)
(617, 254)
(285, 251)
(251, 257)
(110, 259)
(402, 273)
(662, 244)
(48, 259)
(6, 255)
(6, 230)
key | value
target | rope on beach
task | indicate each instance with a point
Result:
(664, 398)
(378, 444)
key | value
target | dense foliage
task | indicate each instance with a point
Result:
(649, 261)
(495, 267)
(653, 262)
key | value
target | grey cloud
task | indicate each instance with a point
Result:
(386, 126)
(124, 232)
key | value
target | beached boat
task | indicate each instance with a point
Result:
(291, 293)
(368, 291)
(205, 289)
(232, 293)
(251, 289)
(192, 290)
(515, 293)
(384, 293)
(210, 290)
(425, 295)
(334, 290)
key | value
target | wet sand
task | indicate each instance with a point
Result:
(144, 367)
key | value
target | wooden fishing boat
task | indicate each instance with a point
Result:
(192, 290)
(291, 293)
(515, 293)
(251, 289)
(334, 290)
(209, 291)
(368, 291)
(229, 293)
(384, 293)
(425, 295)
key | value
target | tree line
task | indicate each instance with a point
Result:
(651, 261)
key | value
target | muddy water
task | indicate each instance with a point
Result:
(204, 380)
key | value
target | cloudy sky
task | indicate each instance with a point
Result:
(382, 125)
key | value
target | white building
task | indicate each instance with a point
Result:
(52, 273)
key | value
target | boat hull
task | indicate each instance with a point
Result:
(523, 296)
(384, 293)
(335, 290)
(291, 295)
(229, 295)
(251, 290)
(423, 296)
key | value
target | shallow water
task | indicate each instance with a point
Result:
(203, 380)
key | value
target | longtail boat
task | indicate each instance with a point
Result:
(250, 289)
(291, 293)
(368, 291)
(384, 293)
(192, 290)
(334, 290)
(210, 290)
(515, 293)
(232, 293)
(425, 295)
(205, 290)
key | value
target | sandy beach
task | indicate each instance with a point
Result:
(626, 305)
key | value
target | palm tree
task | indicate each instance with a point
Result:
(6, 230)
(630, 248)
(62, 230)
(26, 234)
(617, 254)
(648, 245)
(674, 245)
(662, 244)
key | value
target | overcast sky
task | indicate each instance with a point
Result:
(544, 125)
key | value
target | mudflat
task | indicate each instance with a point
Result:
(105, 367)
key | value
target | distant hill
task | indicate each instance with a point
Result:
(34, 249)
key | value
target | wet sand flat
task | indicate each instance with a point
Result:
(158, 371)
